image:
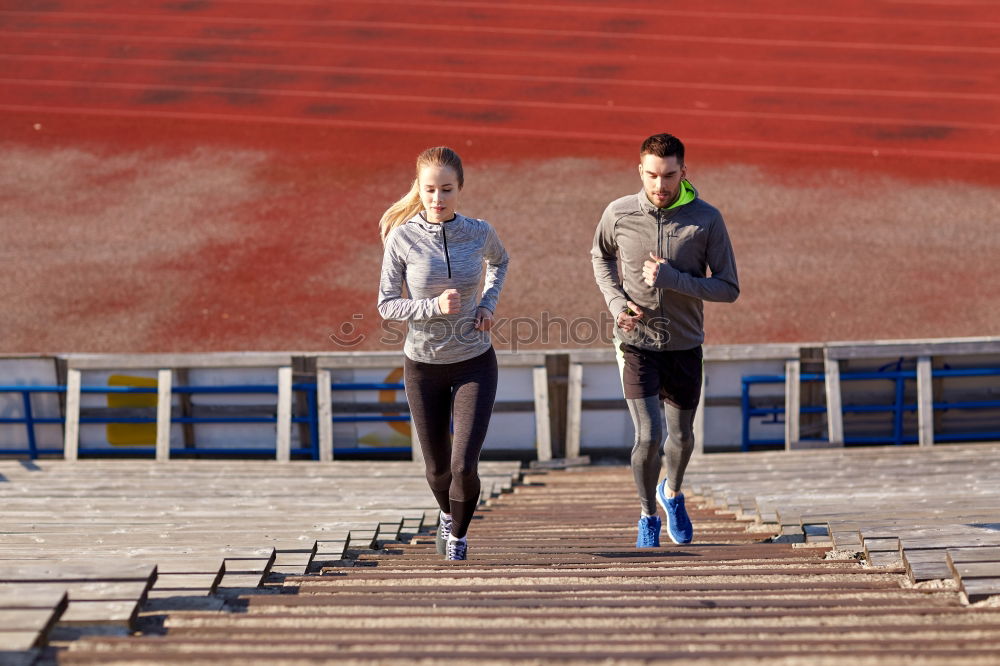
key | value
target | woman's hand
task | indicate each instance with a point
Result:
(450, 301)
(484, 319)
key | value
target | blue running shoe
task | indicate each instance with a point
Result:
(649, 532)
(678, 524)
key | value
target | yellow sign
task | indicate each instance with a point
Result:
(389, 396)
(132, 434)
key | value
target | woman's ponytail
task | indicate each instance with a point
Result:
(401, 211)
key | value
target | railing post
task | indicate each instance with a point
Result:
(71, 430)
(793, 401)
(29, 418)
(164, 387)
(574, 409)
(925, 401)
(744, 414)
(542, 428)
(834, 413)
(899, 408)
(283, 443)
(416, 453)
(324, 414)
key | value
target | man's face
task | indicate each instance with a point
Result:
(661, 178)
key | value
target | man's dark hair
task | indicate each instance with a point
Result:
(663, 145)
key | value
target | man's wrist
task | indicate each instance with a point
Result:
(666, 277)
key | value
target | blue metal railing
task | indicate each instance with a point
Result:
(898, 408)
(383, 386)
(749, 411)
(29, 420)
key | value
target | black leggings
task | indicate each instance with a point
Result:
(438, 393)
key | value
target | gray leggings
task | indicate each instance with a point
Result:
(646, 463)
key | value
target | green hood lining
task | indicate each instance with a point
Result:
(686, 195)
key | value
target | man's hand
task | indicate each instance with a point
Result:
(450, 301)
(629, 317)
(651, 268)
(484, 319)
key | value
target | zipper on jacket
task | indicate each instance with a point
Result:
(659, 234)
(659, 253)
(447, 259)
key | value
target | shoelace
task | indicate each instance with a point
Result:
(444, 528)
(456, 550)
(680, 513)
(684, 517)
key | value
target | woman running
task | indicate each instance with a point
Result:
(450, 369)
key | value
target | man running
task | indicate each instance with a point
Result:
(665, 240)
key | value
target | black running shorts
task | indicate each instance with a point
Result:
(673, 375)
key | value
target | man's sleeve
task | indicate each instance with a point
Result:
(722, 286)
(604, 255)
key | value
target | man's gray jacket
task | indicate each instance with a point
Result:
(692, 237)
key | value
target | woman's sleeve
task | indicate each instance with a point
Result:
(391, 303)
(496, 258)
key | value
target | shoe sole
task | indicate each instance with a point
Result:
(661, 499)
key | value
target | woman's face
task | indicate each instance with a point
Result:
(438, 192)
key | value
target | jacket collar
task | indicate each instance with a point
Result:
(687, 194)
(457, 223)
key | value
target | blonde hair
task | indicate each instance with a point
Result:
(409, 205)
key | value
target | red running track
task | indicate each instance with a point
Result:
(907, 88)
(892, 79)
